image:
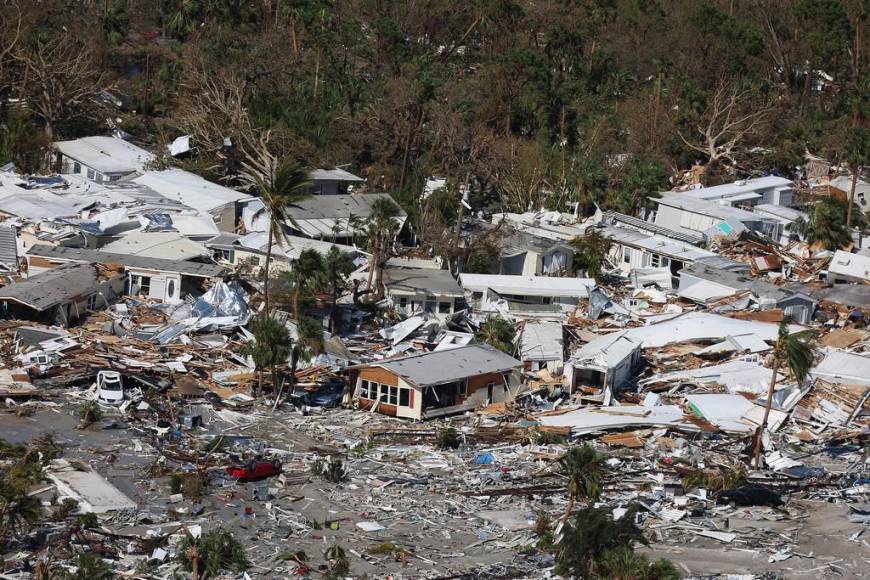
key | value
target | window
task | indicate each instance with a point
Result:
(170, 289)
(392, 396)
(626, 255)
(91, 174)
(143, 283)
(444, 308)
(115, 177)
(92, 301)
(430, 306)
(364, 389)
(223, 255)
(654, 260)
(463, 388)
(404, 397)
(665, 262)
(403, 301)
(77, 167)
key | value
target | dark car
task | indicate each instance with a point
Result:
(750, 495)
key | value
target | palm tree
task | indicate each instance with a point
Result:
(271, 347)
(306, 275)
(18, 509)
(796, 351)
(381, 227)
(338, 265)
(590, 252)
(825, 225)
(498, 333)
(585, 468)
(280, 185)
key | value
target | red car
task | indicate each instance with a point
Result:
(254, 470)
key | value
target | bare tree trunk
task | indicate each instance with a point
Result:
(570, 508)
(851, 199)
(266, 268)
(767, 406)
(274, 381)
(333, 311)
(296, 301)
(374, 263)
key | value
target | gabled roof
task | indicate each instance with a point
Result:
(608, 350)
(447, 366)
(184, 267)
(333, 175)
(106, 154)
(53, 287)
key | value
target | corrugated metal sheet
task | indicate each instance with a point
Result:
(8, 247)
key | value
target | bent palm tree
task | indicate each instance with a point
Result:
(280, 185)
(796, 351)
(585, 468)
(499, 333)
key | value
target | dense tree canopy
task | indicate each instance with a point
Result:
(528, 103)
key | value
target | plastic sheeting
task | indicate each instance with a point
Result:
(156, 222)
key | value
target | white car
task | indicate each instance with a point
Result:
(110, 389)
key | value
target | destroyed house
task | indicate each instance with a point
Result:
(707, 285)
(221, 203)
(632, 249)
(63, 295)
(332, 217)
(679, 211)
(100, 158)
(606, 363)
(252, 249)
(524, 294)
(767, 190)
(438, 383)
(524, 254)
(155, 279)
(423, 290)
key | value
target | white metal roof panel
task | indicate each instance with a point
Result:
(106, 154)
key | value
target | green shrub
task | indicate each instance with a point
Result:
(448, 439)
